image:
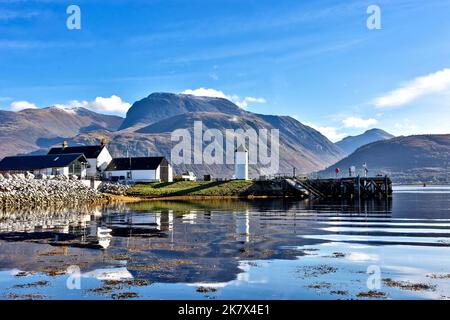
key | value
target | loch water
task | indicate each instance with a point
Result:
(395, 248)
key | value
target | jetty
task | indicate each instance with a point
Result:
(346, 187)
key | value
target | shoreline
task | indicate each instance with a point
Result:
(131, 198)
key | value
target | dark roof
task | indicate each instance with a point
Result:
(91, 152)
(40, 162)
(143, 163)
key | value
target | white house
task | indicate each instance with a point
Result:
(64, 164)
(98, 156)
(241, 163)
(143, 169)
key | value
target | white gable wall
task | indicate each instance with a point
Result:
(101, 162)
(103, 159)
(170, 174)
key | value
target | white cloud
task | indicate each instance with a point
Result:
(22, 105)
(240, 102)
(113, 104)
(329, 132)
(354, 122)
(108, 105)
(433, 83)
(203, 92)
(244, 103)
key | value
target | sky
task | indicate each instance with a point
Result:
(316, 61)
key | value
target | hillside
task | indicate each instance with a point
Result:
(300, 146)
(406, 159)
(148, 126)
(32, 129)
(159, 106)
(351, 143)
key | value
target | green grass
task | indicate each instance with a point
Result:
(191, 188)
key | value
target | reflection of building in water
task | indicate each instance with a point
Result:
(104, 237)
(166, 220)
(190, 217)
(46, 220)
(243, 226)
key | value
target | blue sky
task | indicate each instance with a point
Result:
(314, 60)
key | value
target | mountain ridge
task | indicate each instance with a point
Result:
(351, 143)
(407, 159)
(162, 105)
(149, 122)
(31, 129)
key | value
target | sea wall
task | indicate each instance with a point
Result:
(26, 190)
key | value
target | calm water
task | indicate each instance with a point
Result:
(232, 250)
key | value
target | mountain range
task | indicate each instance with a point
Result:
(351, 143)
(147, 127)
(33, 129)
(419, 158)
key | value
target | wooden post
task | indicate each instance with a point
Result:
(358, 186)
(386, 186)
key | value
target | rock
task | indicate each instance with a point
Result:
(19, 192)
(29, 176)
(41, 176)
(20, 176)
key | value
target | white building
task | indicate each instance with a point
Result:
(188, 176)
(144, 169)
(98, 156)
(241, 163)
(64, 164)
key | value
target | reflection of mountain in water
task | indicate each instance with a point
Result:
(168, 241)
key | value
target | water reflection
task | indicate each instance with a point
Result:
(217, 243)
(170, 242)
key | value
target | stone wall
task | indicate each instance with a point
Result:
(27, 190)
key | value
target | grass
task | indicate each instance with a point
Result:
(191, 188)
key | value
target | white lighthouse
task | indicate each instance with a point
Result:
(241, 163)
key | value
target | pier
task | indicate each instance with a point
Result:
(348, 187)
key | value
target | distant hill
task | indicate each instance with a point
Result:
(406, 159)
(351, 143)
(32, 129)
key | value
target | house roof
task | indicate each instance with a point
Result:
(21, 163)
(143, 163)
(91, 152)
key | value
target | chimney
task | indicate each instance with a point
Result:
(65, 144)
(104, 142)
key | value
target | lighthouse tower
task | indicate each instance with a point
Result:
(241, 163)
